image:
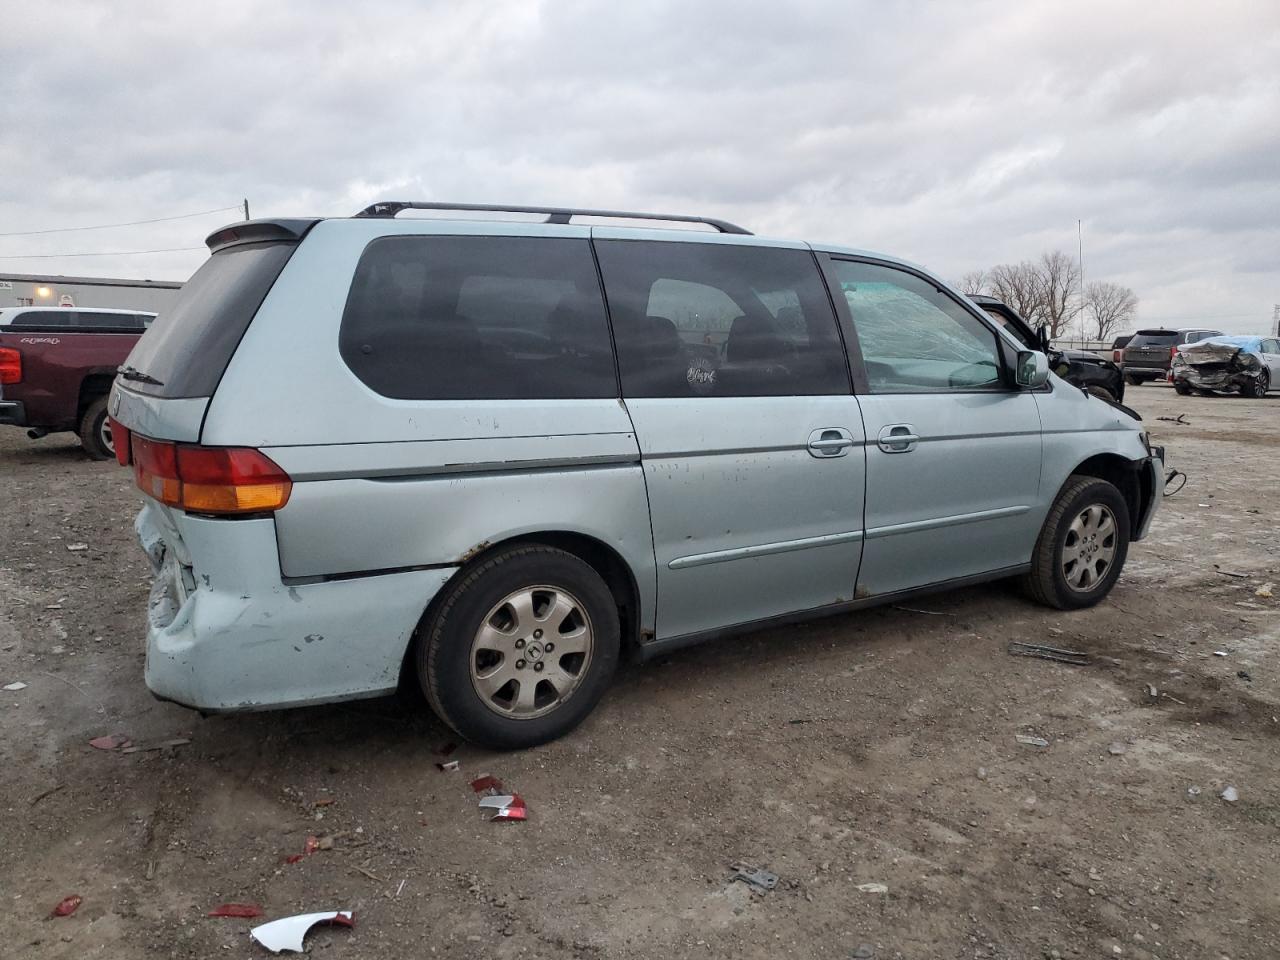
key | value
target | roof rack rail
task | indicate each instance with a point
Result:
(389, 209)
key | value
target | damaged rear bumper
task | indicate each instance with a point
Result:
(227, 633)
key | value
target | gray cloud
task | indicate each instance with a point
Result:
(955, 135)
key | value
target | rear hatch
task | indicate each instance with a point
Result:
(165, 385)
(1151, 348)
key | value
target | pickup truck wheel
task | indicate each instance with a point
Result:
(520, 649)
(1082, 546)
(95, 431)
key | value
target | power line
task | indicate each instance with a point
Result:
(116, 253)
(109, 226)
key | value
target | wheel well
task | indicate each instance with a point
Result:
(1125, 476)
(92, 387)
(600, 556)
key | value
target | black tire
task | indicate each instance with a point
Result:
(95, 433)
(1046, 582)
(1134, 380)
(1102, 393)
(1181, 389)
(445, 657)
(1256, 389)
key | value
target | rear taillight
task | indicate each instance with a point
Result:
(120, 440)
(10, 365)
(218, 480)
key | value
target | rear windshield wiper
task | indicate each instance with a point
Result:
(133, 373)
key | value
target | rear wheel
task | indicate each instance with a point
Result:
(521, 648)
(1258, 388)
(1134, 381)
(1082, 546)
(95, 431)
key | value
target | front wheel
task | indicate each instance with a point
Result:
(95, 431)
(1257, 389)
(521, 648)
(1181, 388)
(1082, 546)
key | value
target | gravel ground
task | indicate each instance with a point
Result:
(877, 748)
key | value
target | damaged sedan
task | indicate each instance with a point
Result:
(1245, 365)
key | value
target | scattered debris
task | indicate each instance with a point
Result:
(67, 906)
(156, 745)
(493, 797)
(110, 742)
(47, 793)
(370, 874)
(927, 613)
(403, 881)
(242, 910)
(77, 547)
(1117, 749)
(1031, 741)
(1152, 692)
(325, 802)
(1230, 794)
(289, 932)
(1073, 657)
(757, 879)
(873, 887)
(1266, 591)
(863, 951)
(15, 686)
(1193, 791)
(1244, 675)
(1169, 477)
(1230, 573)
(1179, 419)
(311, 846)
(449, 766)
(1219, 653)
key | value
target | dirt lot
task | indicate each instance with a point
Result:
(875, 748)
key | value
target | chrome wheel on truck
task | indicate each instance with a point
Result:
(519, 647)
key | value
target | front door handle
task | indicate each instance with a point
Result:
(898, 438)
(830, 442)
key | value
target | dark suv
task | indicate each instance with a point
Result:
(1150, 353)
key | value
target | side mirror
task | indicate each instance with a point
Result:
(1033, 369)
(1042, 334)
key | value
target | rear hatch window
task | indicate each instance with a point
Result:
(189, 345)
(1155, 338)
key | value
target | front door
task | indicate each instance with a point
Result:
(953, 452)
(734, 375)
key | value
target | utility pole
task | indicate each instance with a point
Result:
(246, 208)
(1080, 261)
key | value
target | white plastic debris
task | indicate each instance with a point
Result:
(1231, 794)
(1032, 741)
(15, 686)
(288, 933)
(1266, 591)
(873, 887)
(1193, 791)
(77, 547)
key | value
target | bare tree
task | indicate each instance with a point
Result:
(1059, 280)
(1018, 285)
(975, 281)
(1110, 306)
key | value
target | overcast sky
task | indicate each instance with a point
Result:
(957, 135)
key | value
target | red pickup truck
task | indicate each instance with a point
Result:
(56, 369)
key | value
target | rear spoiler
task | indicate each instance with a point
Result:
(259, 231)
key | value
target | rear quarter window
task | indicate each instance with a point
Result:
(472, 318)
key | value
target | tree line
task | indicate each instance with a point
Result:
(1047, 291)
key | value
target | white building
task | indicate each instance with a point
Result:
(27, 290)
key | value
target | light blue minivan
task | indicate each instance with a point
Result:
(490, 455)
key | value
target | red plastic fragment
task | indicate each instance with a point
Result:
(325, 802)
(515, 810)
(67, 906)
(110, 742)
(481, 784)
(236, 910)
(342, 920)
(311, 846)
